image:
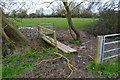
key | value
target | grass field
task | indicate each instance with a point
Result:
(14, 65)
(58, 22)
(18, 63)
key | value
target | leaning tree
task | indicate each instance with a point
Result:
(68, 11)
(11, 36)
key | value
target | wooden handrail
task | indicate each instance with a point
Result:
(55, 39)
(46, 29)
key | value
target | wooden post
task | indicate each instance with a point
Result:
(53, 27)
(53, 31)
(98, 59)
(0, 43)
(38, 30)
(55, 41)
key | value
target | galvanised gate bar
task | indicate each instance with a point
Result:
(101, 48)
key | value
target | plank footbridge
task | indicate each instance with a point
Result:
(53, 41)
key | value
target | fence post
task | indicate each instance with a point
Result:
(98, 59)
(0, 44)
(55, 41)
(38, 29)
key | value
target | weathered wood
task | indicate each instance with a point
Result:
(51, 41)
(99, 50)
(46, 29)
(69, 20)
(60, 45)
(54, 42)
(5, 36)
(0, 44)
(38, 29)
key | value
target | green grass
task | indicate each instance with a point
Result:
(117, 38)
(11, 71)
(109, 69)
(0, 69)
(59, 22)
(78, 42)
(14, 65)
(50, 35)
(20, 62)
(61, 52)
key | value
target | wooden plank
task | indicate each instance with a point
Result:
(50, 41)
(60, 45)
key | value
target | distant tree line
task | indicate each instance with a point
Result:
(58, 13)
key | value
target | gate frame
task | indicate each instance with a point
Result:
(100, 48)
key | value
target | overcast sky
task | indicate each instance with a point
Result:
(33, 5)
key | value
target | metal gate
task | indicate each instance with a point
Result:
(101, 48)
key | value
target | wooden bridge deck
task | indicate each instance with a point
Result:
(60, 45)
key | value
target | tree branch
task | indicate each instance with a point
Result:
(78, 5)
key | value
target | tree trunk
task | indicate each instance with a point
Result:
(18, 33)
(70, 23)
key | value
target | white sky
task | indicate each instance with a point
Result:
(33, 5)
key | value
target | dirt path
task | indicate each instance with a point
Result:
(58, 69)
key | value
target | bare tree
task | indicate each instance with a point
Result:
(68, 11)
(68, 16)
(70, 20)
(39, 11)
(60, 9)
